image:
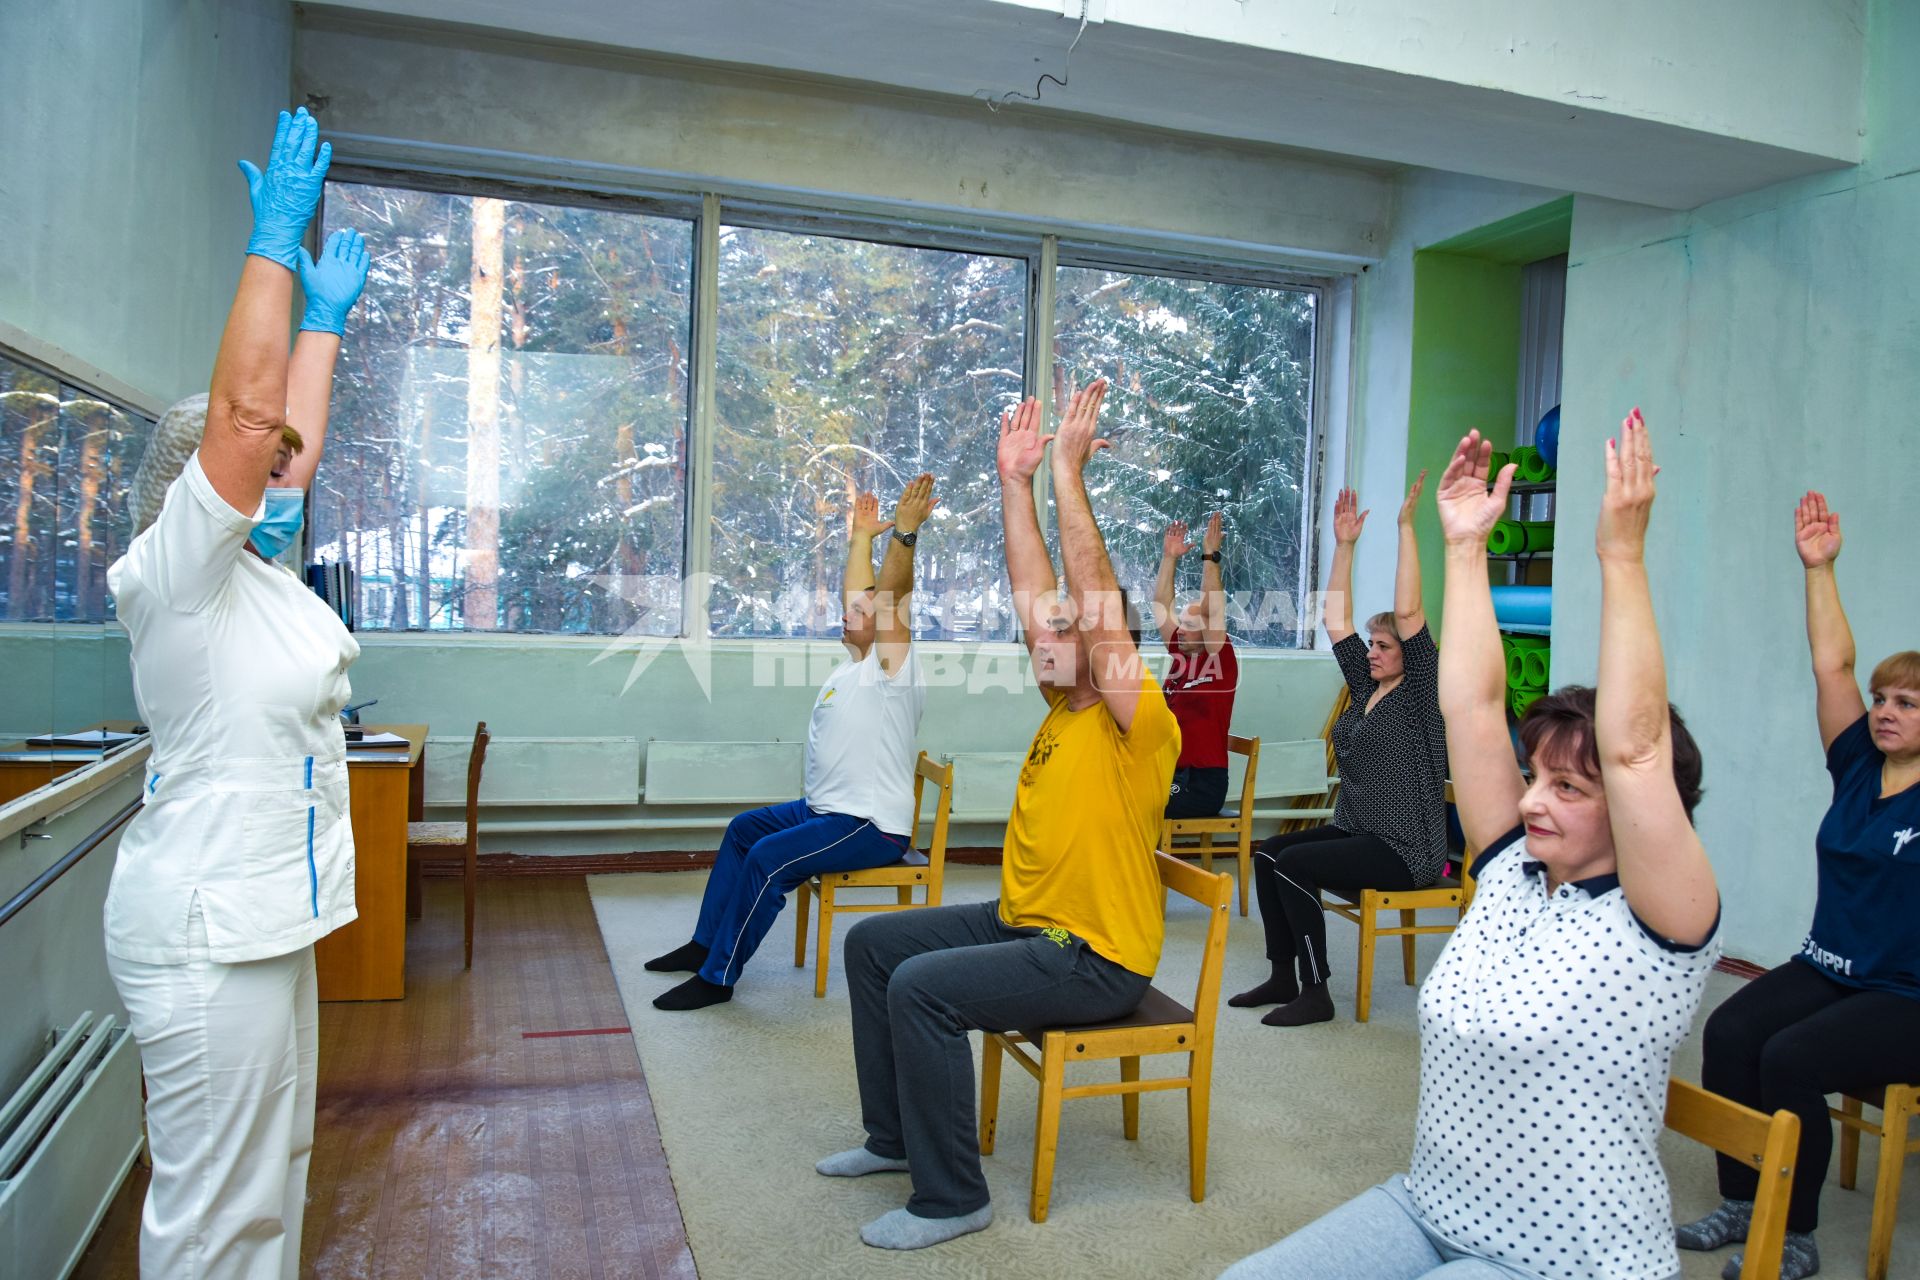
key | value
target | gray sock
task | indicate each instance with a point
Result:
(1799, 1258)
(903, 1230)
(857, 1163)
(1725, 1225)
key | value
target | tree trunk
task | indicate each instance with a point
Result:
(21, 578)
(480, 607)
(88, 579)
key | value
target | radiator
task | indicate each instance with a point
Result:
(68, 1136)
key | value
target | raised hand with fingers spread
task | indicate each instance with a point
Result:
(1468, 511)
(333, 282)
(1348, 518)
(285, 196)
(1174, 542)
(866, 516)
(1022, 444)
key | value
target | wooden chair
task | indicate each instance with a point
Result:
(440, 839)
(1159, 1025)
(1233, 820)
(1363, 907)
(1897, 1103)
(915, 869)
(1321, 806)
(1768, 1143)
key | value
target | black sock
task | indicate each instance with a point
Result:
(687, 959)
(1279, 989)
(695, 993)
(1312, 1005)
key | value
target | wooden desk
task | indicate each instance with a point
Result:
(366, 960)
(24, 768)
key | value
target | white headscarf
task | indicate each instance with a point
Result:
(174, 439)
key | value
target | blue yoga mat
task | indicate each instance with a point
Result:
(1526, 606)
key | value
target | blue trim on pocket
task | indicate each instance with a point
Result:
(313, 873)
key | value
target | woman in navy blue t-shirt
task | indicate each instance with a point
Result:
(1843, 1015)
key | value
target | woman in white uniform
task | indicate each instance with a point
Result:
(242, 856)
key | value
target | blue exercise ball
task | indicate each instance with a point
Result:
(1546, 437)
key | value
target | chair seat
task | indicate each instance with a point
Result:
(436, 834)
(1155, 1009)
(1227, 820)
(1444, 885)
(906, 871)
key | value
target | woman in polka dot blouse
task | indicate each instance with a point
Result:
(1548, 1026)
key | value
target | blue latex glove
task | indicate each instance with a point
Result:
(285, 197)
(333, 284)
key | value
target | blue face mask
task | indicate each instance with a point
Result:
(275, 533)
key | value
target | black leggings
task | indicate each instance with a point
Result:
(1288, 873)
(1197, 793)
(1789, 1038)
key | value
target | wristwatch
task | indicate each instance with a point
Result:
(905, 539)
(1210, 555)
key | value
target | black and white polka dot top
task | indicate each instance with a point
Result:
(1393, 759)
(1547, 1032)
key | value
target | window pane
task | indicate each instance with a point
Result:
(100, 445)
(1210, 409)
(844, 363)
(508, 440)
(29, 471)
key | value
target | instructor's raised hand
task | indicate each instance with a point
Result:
(285, 196)
(1816, 531)
(333, 283)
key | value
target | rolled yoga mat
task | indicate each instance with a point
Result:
(1516, 668)
(1523, 606)
(1532, 467)
(1520, 537)
(1500, 459)
(1520, 699)
(1535, 663)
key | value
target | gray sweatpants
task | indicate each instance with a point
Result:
(1377, 1235)
(920, 980)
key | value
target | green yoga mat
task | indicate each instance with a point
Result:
(1499, 460)
(1525, 642)
(1519, 537)
(1536, 663)
(1531, 467)
(1520, 699)
(1516, 669)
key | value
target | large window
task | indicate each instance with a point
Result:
(515, 445)
(509, 444)
(67, 457)
(843, 365)
(1210, 409)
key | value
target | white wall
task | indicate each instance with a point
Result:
(1773, 343)
(123, 217)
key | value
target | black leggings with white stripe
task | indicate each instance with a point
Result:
(1288, 873)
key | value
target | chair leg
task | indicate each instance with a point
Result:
(989, 1091)
(1849, 1144)
(1886, 1191)
(826, 937)
(1199, 1107)
(413, 888)
(1406, 944)
(1363, 996)
(802, 900)
(1046, 1129)
(473, 884)
(903, 894)
(1246, 871)
(1130, 1102)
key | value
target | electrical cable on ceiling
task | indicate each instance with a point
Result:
(993, 103)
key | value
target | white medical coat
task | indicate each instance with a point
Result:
(240, 671)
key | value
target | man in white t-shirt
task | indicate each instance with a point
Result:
(858, 810)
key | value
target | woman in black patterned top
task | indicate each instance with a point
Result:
(1389, 828)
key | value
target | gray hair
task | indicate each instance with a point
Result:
(174, 439)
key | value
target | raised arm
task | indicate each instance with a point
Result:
(1816, 536)
(1409, 612)
(247, 402)
(1083, 553)
(1029, 567)
(893, 623)
(1487, 784)
(1213, 595)
(332, 285)
(1348, 520)
(1173, 545)
(867, 525)
(1662, 865)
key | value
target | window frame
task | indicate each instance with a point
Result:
(1044, 246)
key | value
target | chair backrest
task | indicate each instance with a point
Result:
(475, 759)
(1766, 1143)
(941, 776)
(1212, 891)
(1250, 748)
(1341, 701)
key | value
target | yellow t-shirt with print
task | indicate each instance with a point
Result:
(1079, 847)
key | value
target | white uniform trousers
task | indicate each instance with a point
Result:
(230, 1053)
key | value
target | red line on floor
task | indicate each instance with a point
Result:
(595, 1031)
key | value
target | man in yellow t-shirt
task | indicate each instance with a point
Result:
(1076, 933)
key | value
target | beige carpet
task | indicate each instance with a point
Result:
(751, 1093)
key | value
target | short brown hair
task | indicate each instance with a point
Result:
(1386, 622)
(1561, 725)
(1901, 671)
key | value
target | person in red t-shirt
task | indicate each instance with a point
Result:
(1201, 681)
